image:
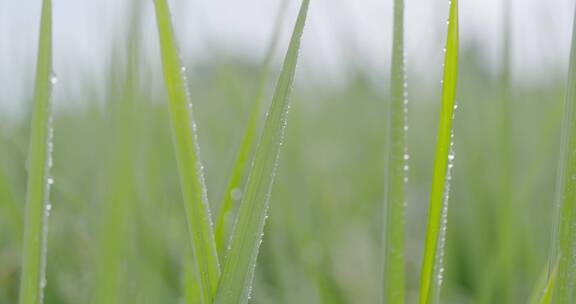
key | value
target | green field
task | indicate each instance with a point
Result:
(120, 229)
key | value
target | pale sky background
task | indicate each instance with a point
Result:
(83, 31)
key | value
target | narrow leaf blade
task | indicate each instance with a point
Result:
(187, 155)
(396, 168)
(237, 176)
(432, 260)
(239, 265)
(39, 161)
(563, 249)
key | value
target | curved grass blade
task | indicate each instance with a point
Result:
(396, 168)
(187, 155)
(564, 237)
(542, 294)
(33, 279)
(246, 146)
(238, 270)
(433, 251)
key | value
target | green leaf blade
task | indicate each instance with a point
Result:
(187, 155)
(240, 167)
(432, 260)
(563, 251)
(396, 168)
(39, 162)
(238, 270)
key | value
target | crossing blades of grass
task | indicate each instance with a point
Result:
(247, 144)
(565, 231)
(240, 262)
(187, 156)
(396, 168)
(33, 279)
(432, 268)
(542, 294)
(548, 291)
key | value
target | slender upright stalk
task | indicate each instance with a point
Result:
(187, 156)
(120, 191)
(564, 252)
(542, 293)
(509, 213)
(33, 279)
(238, 271)
(432, 267)
(396, 167)
(247, 145)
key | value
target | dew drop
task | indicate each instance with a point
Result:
(53, 79)
(236, 194)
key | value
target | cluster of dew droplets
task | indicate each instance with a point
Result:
(439, 255)
(278, 139)
(439, 263)
(48, 184)
(194, 130)
(406, 156)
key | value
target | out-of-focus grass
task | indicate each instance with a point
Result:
(323, 236)
(321, 241)
(563, 251)
(396, 174)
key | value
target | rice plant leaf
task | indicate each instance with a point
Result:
(187, 156)
(117, 206)
(549, 290)
(396, 168)
(542, 294)
(32, 280)
(565, 231)
(433, 250)
(247, 145)
(240, 262)
(508, 211)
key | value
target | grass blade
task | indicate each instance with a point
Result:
(563, 250)
(433, 251)
(238, 270)
(396, 170)
(187, 155)
(118, 207)
(247, 144)
(548, 291)
(542, 294)
(39, 162)
(504, 284)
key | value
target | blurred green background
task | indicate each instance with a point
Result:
(323, 240)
